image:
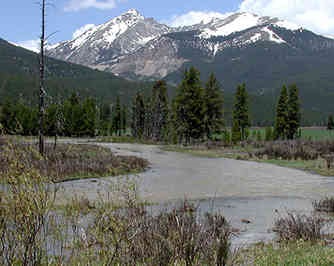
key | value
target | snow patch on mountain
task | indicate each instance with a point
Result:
(287, 25)
(235, 23)
(273, 37)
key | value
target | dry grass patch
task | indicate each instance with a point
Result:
(68, 162)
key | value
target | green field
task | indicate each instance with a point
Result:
(317, 134)
(307, 133)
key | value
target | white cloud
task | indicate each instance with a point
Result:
(82, 30)
(194, 17)
(76, 5)
(32, 45)
(315, 15)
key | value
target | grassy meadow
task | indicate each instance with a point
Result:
(307, 133)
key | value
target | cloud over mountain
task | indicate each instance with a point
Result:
(316, 15)
(76, 5)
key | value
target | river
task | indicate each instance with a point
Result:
(241, 190)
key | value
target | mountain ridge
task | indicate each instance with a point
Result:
(104, 45)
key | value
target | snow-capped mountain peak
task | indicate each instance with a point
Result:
(131, 44)
(238, 22)
(119, 36)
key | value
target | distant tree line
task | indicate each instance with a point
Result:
(195, 114)
(75, 117)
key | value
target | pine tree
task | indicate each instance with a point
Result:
(8, 119)
(89, 118)
(241, 121)
(330, 124)
(294, 115)
(236, 131)
(282, 115)
(138, 116)
(190, 108)
(106, 119)
(214, 119)
(148, 128)
(269, 134)
(124, 118)
(117, 118)
(160, 110)
(72, 111)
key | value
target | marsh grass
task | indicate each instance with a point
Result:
(304, 155)
(324, 205)
(68, 162)
(32, 233)
(295, 226)
(295, 253)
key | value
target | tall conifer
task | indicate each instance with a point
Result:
(282, 115)
(330, 123)
(294, 115)
(138, 116)
(214, 120)
(241, 120)
(190, 108)
(160, 110)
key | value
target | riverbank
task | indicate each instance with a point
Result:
(247, 153)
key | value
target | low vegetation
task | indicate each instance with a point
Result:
(297, 253)
(324, 205)
(295, 227)
(32, 232)
(68, 162)
(313, 156)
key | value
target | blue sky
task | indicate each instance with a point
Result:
(20, 19)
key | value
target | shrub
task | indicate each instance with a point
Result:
(70, 161)
(299, 227)
(132, 236)
(296, 149)
(324, 205)
(25, 215)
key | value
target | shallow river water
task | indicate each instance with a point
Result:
(240, 190)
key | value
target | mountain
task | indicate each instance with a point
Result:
(263, 52)
(19, 78)
(101, 45)
(137, 47)
(204, 45)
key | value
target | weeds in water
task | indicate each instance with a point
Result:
(25, 216)
(324, 205)
(295, 227)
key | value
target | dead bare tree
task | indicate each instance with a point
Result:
(42, 83)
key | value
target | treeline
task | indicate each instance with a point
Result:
(194, 115)
(75, 117)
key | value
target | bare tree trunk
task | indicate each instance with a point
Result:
(41, 84)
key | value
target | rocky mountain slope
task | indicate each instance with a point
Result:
(136, 47)
(102, 44)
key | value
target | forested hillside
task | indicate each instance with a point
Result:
(19, 78)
